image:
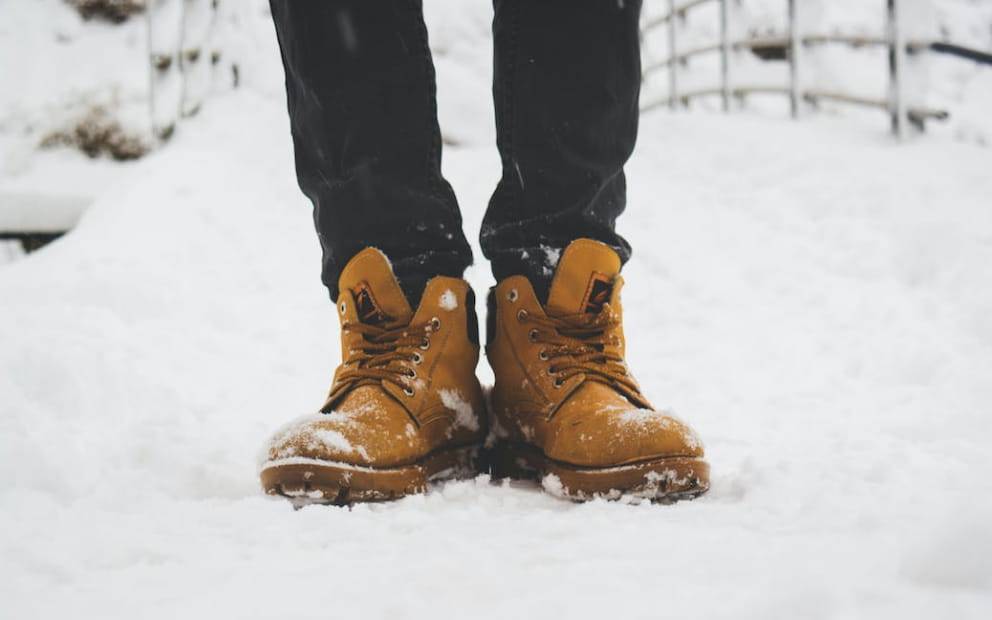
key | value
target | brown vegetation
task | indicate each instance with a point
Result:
(115, 11)
(97, 134)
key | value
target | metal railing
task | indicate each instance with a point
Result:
(183, 56)
(791, 46)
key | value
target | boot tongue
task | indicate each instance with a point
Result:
(583, 280)
(379, 300)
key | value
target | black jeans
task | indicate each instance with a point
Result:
(361, 90)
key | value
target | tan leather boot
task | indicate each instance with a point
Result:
(405, 406)
(565, 407)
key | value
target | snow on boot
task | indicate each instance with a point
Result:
(565, 408)
(405, 406)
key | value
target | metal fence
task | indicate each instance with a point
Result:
(790, 46)
(184, 56)
(185, 63)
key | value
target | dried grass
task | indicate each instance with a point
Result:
(97, 134)
(115, 11)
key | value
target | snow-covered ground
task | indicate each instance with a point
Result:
(813, 297)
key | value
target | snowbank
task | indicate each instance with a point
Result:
(812, 297)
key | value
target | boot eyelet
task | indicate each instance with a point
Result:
(512, 295)
(551, 371)
(343, 307)
(417, 358)
(558, 382)
(412, 373)
(408, 391)
(521, 314)
(435, 323)
(533, 335)
(542, 355)
(426, 344)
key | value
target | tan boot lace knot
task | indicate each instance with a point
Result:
(582, 343)
(387, 353)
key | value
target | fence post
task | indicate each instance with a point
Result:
(673, 64)
(195, 57)
(164, 23)
(150, 49)
(795, 50)
(725, 55)
(897, 58)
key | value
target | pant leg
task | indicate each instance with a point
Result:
(361, 91)
(566, 80)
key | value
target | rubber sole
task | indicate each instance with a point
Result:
(311, 481)
(662, 480)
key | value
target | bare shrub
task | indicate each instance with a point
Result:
(97, 134)
(115, 11)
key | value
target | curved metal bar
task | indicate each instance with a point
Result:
(681, 57)
(815, 95)
(680, 10)
(852, 40)
(956, 50)
(760, 42)
(914, 114)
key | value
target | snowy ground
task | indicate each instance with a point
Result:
(814, 298)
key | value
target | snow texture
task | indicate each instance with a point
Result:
(465, 416)
(448, 301)
(647, 419)
(812, 297)
(551, 257)
(553, 486)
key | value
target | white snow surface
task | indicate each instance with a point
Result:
(812, 297)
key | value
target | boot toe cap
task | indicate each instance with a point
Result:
(333, 437)
(612, 436)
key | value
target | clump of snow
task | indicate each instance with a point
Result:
(528, 431)
(669, 475)
(552, 484)
(551, 257)
(448, 300)
(328, 439)
(465, 416)
(308, 432)
(647, 420)
(283, 433)
(644, 417)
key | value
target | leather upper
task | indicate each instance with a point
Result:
(406, 385)
(562, 384)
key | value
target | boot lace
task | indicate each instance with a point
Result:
(388, 353)
(581, 343)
